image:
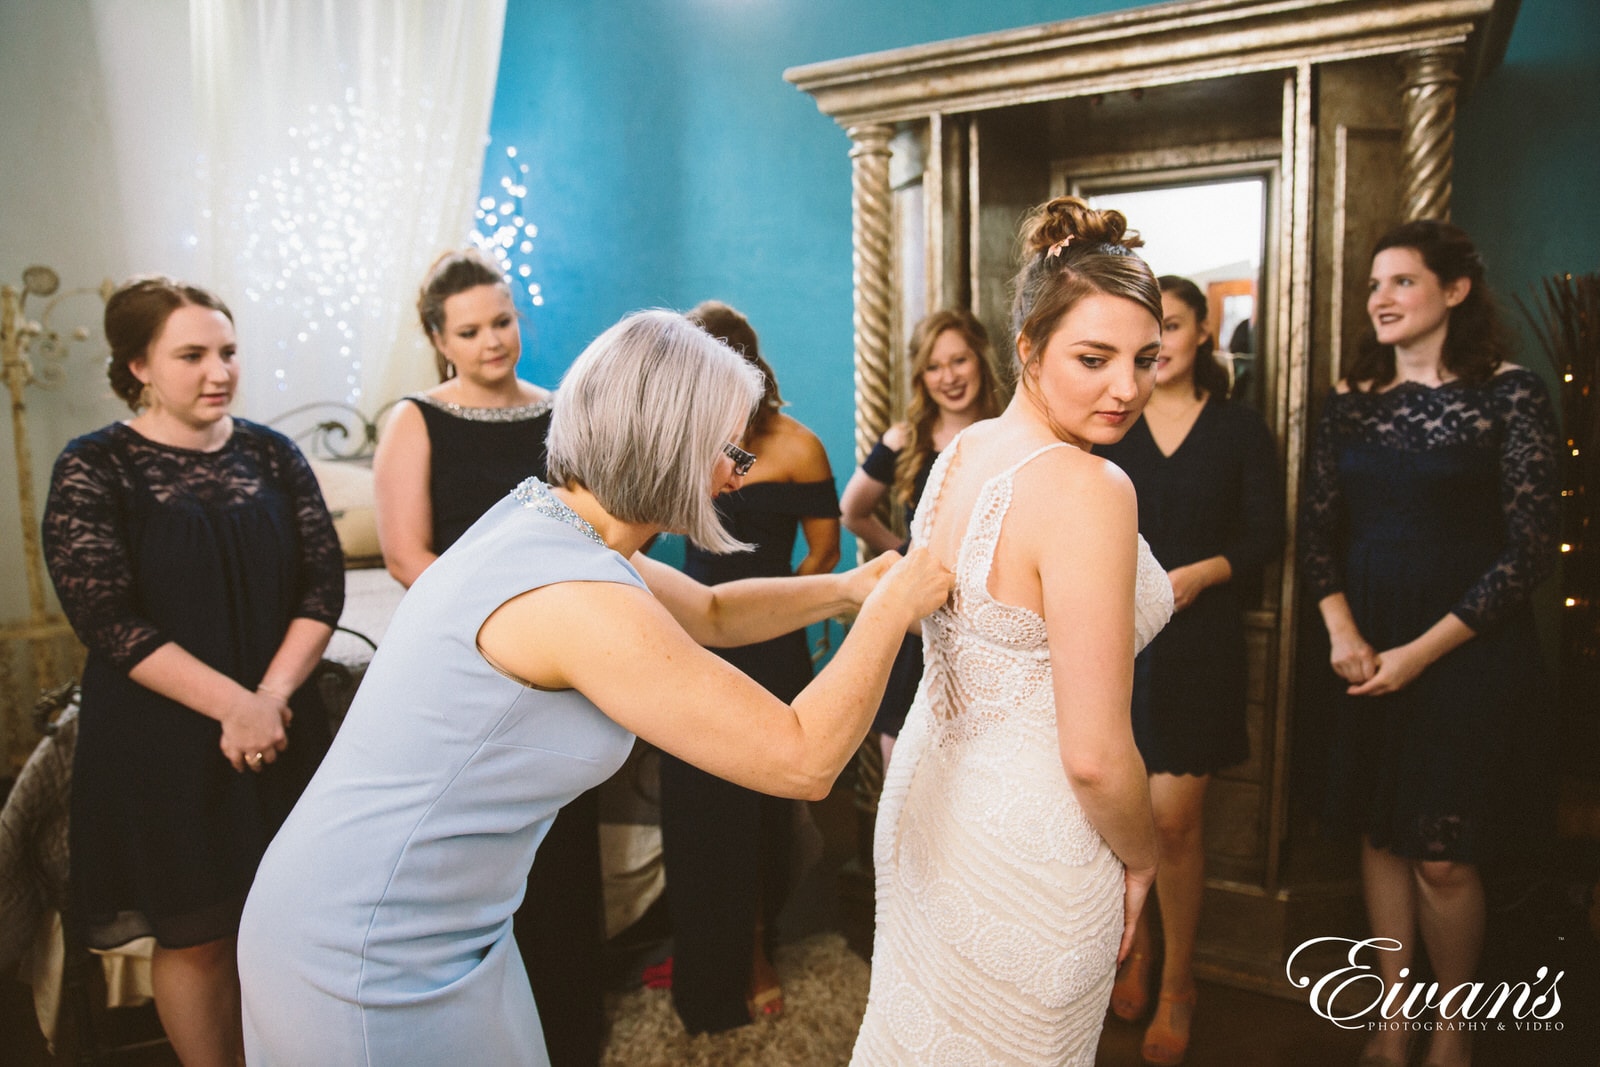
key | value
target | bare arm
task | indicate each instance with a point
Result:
(1087, 588)
(401, 482)
(622, 649)
(862, 495)
(1351, 656)
(297, 656)
(822, 546)
(1192, 579)
(858, 505)
(251, 721)
(755, 609)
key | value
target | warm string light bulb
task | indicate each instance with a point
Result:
(504, 231)
(309, 228)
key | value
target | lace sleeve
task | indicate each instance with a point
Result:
(1322, 511)
(1529, 491)
(86, 552)
(1258, 535)
(321, 560)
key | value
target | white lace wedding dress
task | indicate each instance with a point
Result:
(999, 906)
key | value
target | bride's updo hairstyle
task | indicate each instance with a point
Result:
(1070, 251)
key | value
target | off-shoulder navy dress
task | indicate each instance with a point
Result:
(216, 552)
(726, 848)
(1421, 502)
(1218, 494)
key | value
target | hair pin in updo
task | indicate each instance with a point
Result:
(1059, 247)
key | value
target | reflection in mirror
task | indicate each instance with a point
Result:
(1211, 233)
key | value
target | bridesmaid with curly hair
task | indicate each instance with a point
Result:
(1430, 517)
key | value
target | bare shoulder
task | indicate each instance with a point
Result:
(810, 455)
(534, 394)
(1507, 367)
(1070, 486)
(894, 438)
(788, 451)
(405, 419)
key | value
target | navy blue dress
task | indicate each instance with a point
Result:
(478, 455)
(726, 848)
(216, 552)
(905, 674)
(1423, 501)
(1218, 494)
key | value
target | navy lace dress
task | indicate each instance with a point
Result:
(1218, 494)
(1423, 501)
(726, 848)
(217, 552)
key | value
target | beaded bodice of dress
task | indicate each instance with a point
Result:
(987, 660)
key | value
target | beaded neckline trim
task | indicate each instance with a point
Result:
(520, 413)
(532, 493)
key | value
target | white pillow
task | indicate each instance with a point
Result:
(347, 490)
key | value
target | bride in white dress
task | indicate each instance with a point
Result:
(1014, 842)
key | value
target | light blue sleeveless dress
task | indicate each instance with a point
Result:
(378, 929)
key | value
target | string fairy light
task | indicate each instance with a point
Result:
(504, 231)
(314, 230)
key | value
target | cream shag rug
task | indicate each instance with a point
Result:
(824, 996)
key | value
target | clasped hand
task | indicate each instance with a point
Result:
(1371, 673)
(254, 724)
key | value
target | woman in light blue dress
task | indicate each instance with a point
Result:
(515, 675)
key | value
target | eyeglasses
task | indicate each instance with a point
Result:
(742, 460)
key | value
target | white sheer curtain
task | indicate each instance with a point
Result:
(340, 147)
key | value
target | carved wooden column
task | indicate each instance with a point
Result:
(1431, 76)
(872, 275)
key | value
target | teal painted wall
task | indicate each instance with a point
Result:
(670, 162)
(1528, 154)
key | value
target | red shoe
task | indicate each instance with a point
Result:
(659, 976)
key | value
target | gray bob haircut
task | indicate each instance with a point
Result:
(640, 419)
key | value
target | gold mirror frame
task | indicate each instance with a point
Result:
(1365, 89)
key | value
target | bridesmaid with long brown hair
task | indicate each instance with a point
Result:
(953, 385)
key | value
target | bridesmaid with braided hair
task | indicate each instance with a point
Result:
(1015, 845)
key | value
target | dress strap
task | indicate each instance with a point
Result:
(1011, 471)
(975, 558)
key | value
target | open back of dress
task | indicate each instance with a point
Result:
(999, 907)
